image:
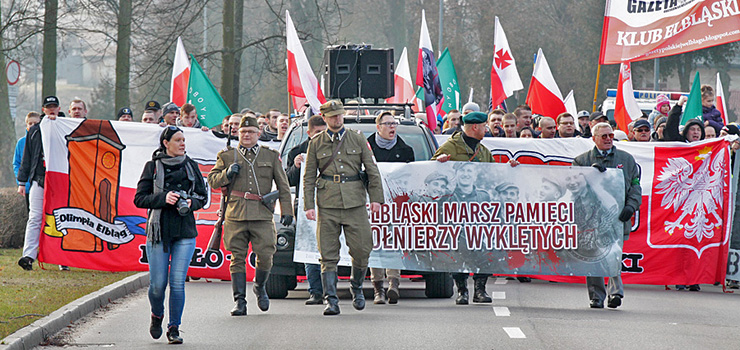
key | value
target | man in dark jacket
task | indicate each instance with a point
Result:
(605, 155)
(295, 160)
(33, 170)
(388, 147)
(692, 131)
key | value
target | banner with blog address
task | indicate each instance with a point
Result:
(680, 234)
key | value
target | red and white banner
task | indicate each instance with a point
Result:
(93, 167)
(427, 76)
(720, 101)
(640, 30)
(403, 86)
(180, 75)
(625, 109)
(301, 80)
(544, 96)
(504, 75)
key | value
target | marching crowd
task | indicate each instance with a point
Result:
(341, 172)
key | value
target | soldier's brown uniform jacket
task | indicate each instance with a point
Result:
(354, 153)
(267, 167)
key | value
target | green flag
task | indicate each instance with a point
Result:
(208, 103)
(693, 109)
(448, 79)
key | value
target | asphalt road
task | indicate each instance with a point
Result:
(538, 315)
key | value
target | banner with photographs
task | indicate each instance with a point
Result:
(492, 218)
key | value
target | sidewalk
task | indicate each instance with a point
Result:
(37, 332)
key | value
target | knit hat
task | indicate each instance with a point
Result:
(731, 129)
(661, 100)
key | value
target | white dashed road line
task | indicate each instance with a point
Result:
(500, 281)
(514, 332)
(498, 295)
(501, 311)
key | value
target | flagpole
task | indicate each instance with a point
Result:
(596, 88)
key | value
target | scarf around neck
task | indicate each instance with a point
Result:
(153, 227)
(386, 144)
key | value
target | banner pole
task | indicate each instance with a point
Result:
(596, 88)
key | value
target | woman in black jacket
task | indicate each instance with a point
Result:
(171, 187)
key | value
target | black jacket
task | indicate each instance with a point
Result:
(400, 153)
(173, 225)
(294, 173)
(268, 135)
(670, 133)
(32, 165)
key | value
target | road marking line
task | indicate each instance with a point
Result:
(498, 295)
(514, 332)
(501, 311)
(500, 281)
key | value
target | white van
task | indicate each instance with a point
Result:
(646, 99)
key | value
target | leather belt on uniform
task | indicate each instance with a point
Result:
(340, 178)
(246, 195)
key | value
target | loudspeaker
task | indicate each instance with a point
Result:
(340, 72)
(376, 73)
(352, 71)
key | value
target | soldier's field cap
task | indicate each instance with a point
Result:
(475, 118)
(505, 186)
(50, 100)
(332, 108)
(596, 115)
(436, 176)
(249, 120)
(153, 106)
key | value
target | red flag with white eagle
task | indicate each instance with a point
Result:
(301, 80)
(180, 75)
(544, 96)
(402, 80)
(625, 109)
(428, 77)
(504, 75)
(720, 101)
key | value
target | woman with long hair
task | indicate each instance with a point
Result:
(171, 187)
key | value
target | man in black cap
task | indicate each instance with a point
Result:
(641, 130)
(33, 170)
(465, 146)
(125, 115)
(170, 113)
(154, 106)
(593, 119)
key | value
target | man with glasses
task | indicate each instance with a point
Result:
(250, 171)
(566, 126)
(387, 146)
(606, 155)
(641, 130)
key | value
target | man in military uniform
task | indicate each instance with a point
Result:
(249, 171)
(334, 164)
(465, 146)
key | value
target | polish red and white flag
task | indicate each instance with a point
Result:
(403, 87)
(504, 75)
(427, 76)
(626, 108)
(544, 96)
(720, 103)
(302, 81)
(180, 75)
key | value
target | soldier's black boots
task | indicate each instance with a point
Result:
(480, 295)
(260, 279)
(379, 293)
(329, 282)
(239, 287)
(355, 281)
(393, 293)
(461, 281)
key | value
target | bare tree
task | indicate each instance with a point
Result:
(49, 84)
(123, 54)
(7, 133)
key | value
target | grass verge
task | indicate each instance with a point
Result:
(26, 296)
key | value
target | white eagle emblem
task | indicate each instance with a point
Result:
(698, 193)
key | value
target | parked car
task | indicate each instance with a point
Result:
(284, 271)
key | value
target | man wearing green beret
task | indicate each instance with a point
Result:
(249, 171)
(334, 164)
(465, 146)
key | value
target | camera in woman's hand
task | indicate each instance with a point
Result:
(182, 203)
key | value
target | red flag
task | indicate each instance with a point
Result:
(504, 76)
(301, 79)
(626, 109)
(428, 77)
(180, 75)
(720, 102)
(544, 96)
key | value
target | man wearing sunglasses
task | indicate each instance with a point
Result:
(605, 155)
(641, 130)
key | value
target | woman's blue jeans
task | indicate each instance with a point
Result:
(169, 266)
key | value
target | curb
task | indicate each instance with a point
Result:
(34, 334)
